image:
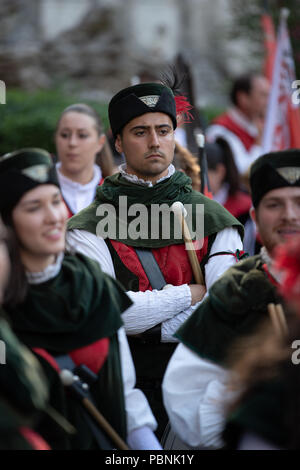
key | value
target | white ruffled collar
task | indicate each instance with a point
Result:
(140, 181)
(48, 273)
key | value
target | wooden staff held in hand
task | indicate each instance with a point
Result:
(179, 211)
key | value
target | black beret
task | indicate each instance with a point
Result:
(274, 170)
(21, 171)
(140, 99)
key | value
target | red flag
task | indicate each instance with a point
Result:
(282, 124)
(269, 44)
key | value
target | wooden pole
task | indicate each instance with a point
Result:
(278, 319)
(67, 378)
(178, 210)
(116, 439)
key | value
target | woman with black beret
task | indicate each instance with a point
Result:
(66, 310)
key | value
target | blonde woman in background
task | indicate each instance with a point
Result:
(84, 155)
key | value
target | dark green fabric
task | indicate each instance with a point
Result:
(108, 395)
(264, 176)
(21, 377)
(23, 391)
(76, 308)
(236, 304)
(261, 413)
(127, 105)
(176, 188)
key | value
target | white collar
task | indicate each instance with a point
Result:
(266, 257)
(140, 181)
(242, 120)
(48, 273)
(67, 182)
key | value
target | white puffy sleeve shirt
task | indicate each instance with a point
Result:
(171, 306)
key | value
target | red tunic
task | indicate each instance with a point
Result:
(173, 262)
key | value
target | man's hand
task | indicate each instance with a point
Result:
(198, 291)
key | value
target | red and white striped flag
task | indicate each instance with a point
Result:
(282, 124)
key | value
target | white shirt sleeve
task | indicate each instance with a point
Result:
(150, 307)
(138, 412)
(195, 394)
(243, 158)
(227, 239)
(171, 306)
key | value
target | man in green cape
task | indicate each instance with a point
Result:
(195, 384)
(132, 211)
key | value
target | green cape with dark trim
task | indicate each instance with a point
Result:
(176, 188)
(74, 309)
(236, 304)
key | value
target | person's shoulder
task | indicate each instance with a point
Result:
(81, 263)
(85, 219)
(236, 303)
(236, 273)
(242, 288)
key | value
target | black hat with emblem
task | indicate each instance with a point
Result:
(274, 170)
(21, 171)
(140, 99)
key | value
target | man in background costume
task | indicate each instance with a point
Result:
(143, 119)
(242, 125)
(195, 384)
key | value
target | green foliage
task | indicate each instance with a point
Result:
(210, 112)
(29, 119)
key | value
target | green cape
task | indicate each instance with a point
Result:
(23, 390)
(237, 302)
(262, 412)
(176, 188)
(76, 308)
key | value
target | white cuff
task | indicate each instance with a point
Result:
(143, 439)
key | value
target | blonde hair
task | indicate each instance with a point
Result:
(188, 163)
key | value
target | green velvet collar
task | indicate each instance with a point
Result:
(176, 188)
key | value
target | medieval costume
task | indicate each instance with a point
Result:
(71, 314)
(235, 307)
(155, 314)
(23, 397)
(240, 134)
(78, 196)
(265, 416)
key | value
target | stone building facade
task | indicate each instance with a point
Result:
(99, 46)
